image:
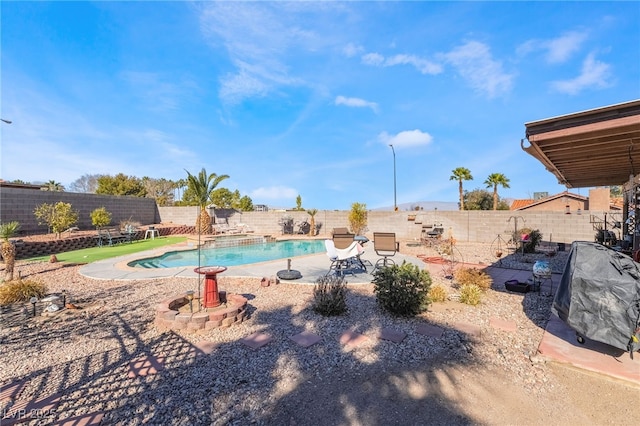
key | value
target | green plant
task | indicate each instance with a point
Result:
(202, 186)
(402, 290)
(312, 222)
(437, 293)
(470, 294)
(21, 290)
(58, 217)
(358, 218)
(7, 249)
(464, 276)
(100, 217)
(329, 296)
(534, 238)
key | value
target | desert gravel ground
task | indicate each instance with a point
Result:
(83, 356)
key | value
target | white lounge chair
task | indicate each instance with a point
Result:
(346, 260)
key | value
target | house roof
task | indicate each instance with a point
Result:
(518, 204)
(598, 147)
(547, 199)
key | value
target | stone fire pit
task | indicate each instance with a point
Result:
(174, 313)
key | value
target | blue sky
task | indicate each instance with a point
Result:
(305, 98)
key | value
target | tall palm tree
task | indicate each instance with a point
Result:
(52, 185)
(202, 186)
(8, 250)
(494, 180)
(460, 174)
(312, 223)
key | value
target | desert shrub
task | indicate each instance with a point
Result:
(402, 290)
(475, 276)
(437, 293)
(470, 294)
(330, 296)
(100, 217)
(534, 238)
(20, 291)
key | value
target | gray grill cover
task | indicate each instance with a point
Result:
(599, 295)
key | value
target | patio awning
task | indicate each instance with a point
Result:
(598, 147)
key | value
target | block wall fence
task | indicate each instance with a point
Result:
(472, 226)
(18, 204)
(475, 226)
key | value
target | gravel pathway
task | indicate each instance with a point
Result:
(82, 357)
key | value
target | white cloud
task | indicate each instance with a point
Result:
(406, 138)
(558, 49)
(274, 193)
(259, 38)
(424, 66)
(158, 92)
(351, 50)
(374, 59)
(593, 74)
(474, 63)
(356, 103)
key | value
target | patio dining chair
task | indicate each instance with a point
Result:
(385, 245)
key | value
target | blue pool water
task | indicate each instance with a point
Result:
(232, 256)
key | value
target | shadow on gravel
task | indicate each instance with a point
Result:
(226, 382)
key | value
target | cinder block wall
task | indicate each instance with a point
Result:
(474, 226)
(18, 204)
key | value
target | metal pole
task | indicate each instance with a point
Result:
(395, 203)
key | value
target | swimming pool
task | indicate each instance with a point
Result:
(232, 256)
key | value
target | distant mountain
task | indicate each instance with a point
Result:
(424, 206)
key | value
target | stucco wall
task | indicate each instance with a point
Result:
(477, 226)
(18, 204)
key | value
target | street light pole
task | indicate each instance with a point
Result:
(395, 203)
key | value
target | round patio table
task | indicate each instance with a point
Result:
(211, 295)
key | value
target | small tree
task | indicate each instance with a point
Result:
(299, 203)
(57, 217)
(100, 217)
(312, 222)
(358, 218)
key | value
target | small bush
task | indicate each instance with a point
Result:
(330, 296)
(470, 294)
(100, 217)
(437, 293)
(402, 290)
(20, 291)
(475, 276)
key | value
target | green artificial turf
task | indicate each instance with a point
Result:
(99, 253)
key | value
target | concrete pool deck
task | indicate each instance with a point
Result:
(310, 266)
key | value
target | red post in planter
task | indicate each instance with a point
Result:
(211, 295)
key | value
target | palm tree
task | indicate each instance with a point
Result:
(52, 185)
(460, 174)
(312, 223)
(494, 180)
(8, 250)
(202, 186)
